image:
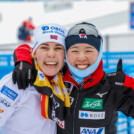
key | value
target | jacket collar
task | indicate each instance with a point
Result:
(89, 81)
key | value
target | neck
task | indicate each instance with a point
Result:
(49, 77)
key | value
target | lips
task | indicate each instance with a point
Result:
(82, 67)
(51, 64)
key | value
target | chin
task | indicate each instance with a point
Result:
(50, 74)
(81, 69)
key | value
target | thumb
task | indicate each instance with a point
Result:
(14, 77)
(119, 65)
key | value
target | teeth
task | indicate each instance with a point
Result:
(82, 66)
(51, 63)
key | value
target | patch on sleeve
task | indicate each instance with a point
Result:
(61, 124)
(9, 92)
(5, 102)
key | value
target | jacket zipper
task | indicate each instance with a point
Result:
(75, 108)
(76, 103)
(74, 113)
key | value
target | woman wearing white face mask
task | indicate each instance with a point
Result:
(94, 95)
(21, 109)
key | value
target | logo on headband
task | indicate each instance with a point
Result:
(83, 36)
(53, 30)
(82, 33)
(55, 37)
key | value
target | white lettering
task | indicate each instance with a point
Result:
(85, 130)
(91, 115)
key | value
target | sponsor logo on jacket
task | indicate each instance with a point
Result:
(85, 130)
(1, 110)
(101, 94)
(89, 103)
(9, 92)
(41, 76)
(5, 102)
(61, 124)
(92, 115)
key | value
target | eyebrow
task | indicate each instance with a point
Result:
(73, 47)
(48, 44)
(44, 44)
(58, 45)
(85, 47)
(89, 47)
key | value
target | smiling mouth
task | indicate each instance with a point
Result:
(51, 64)
(82, 67)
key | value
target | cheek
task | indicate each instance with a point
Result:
(92, 58)
(37, 53)
(71, 58)
(62, 53)
(95, 56)
(61, 56)
(38, 60)
(39, 57)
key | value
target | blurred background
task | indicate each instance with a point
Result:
(113, 18)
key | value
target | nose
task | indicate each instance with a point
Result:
(51, 53)
(81, 57)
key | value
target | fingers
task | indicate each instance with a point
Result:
(19, 80)
(29, 76)
(33, 77)
(119, 65)
(24, 80)
(22, 74)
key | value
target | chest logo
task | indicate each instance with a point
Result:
(9, 92)
(92, 103)
(84, 130)
(92, 115)
(101, 94)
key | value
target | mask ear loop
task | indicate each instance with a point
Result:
(65, 59)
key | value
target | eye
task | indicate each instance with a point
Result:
(58, 48)
(74, 51)
(88, 51)
(44, 48)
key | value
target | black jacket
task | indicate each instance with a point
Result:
(93, 106)
(117, 97)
